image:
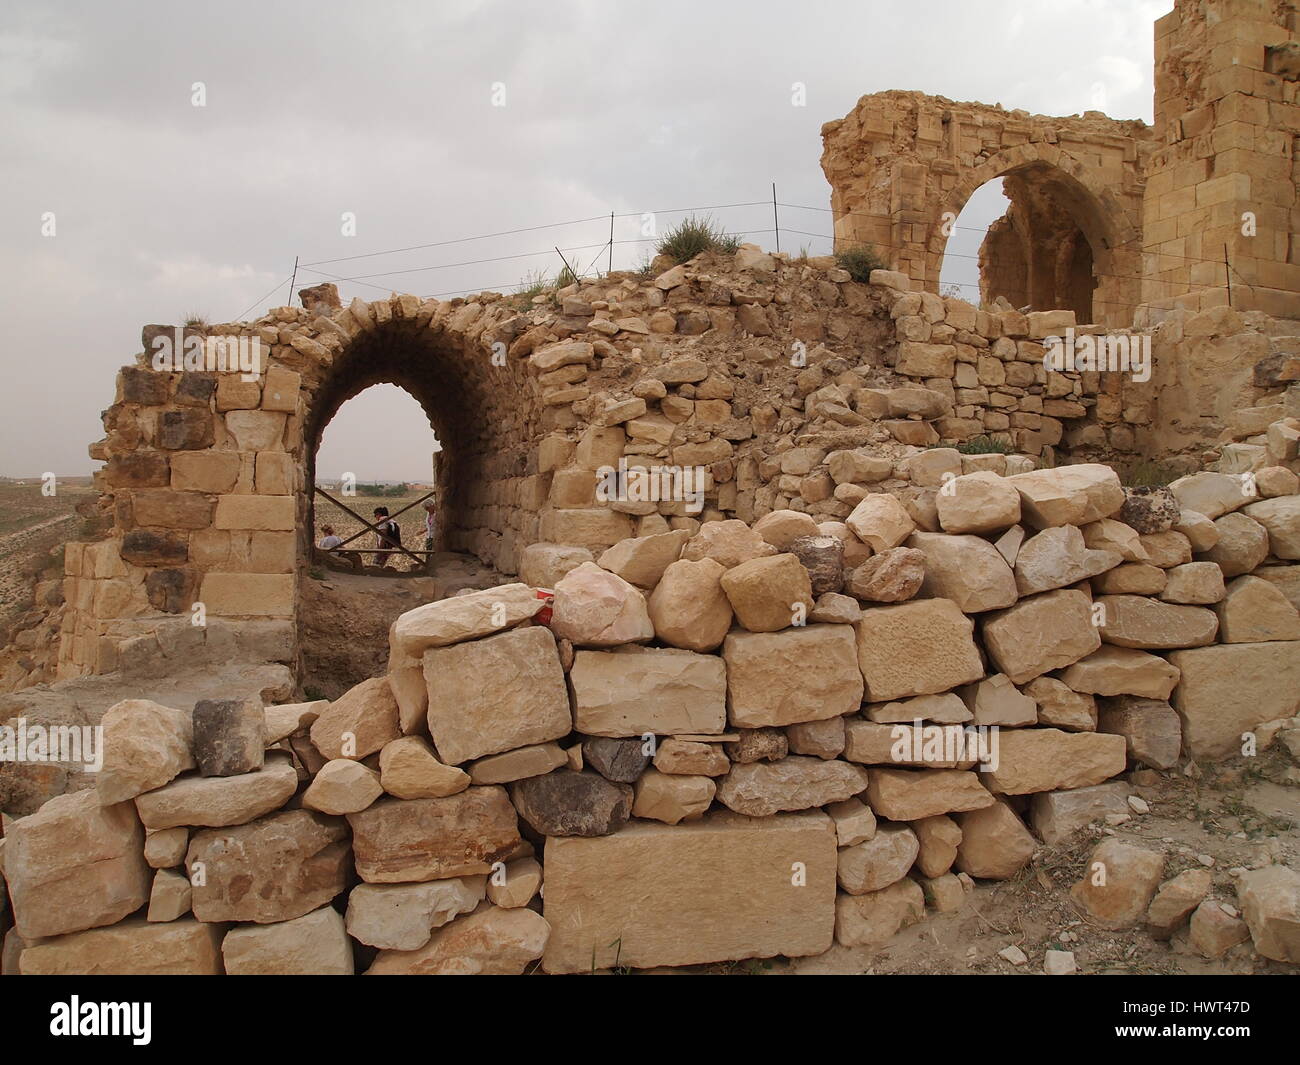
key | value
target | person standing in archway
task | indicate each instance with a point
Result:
(430, 512)
(388, 536)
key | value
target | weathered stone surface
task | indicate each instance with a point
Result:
(145, 745)
(289, 719)
(315, 944)
(939, 838)
(1139, 621)
(1213, 931)
(1057, 815)
(1041, 633)
(872, 920)
(75, 864)
(464, 617)
(1112, 670)
(131, 948)
(166, 848)
(1270, 904)
(966, 569)
(403, 916)
(1175, 900)
(1131, 578)
(342, 786)
(854, 821)
(727, 542)
(892, 576)
(516, 884)
(917, 648)
(823, 558)
(491, 941)
(405, 840)
(1228, 689)
(1149, 508)
(769, 594)
(691, 758)
(881, 521)
(620, 760)
(543, 565)
(822, 739)
(275, 869)
(1056, 557)
(1117, 536)
(757, 745)
(409, 769)
(1047, 759)
(495, 694)
(1068, 495)
(1242, 544)
(642, 560)
(517, 764)
(688, 607)
(780, 528)
(760, 789)
(1281, 518)
(1194, 583)
(835, 609)
(996, 701)
(1061, 707)
(1212, 494)
(716, 888)
(634, 691)
(218, 801)
(568, 803)
(874, 864)
(359, 722)
(802, 674)
(995, 844)
(911, 794)
(229, 736)
(1118, 883)
(1167, 549)
(1255, 611)
(981, 502)
(947, 708)
(1200, 531)
(672, 798)
(1150, 727)
(596, 608)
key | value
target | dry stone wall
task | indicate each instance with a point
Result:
(752, 740)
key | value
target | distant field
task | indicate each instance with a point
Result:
(31, 524)
(411, 523)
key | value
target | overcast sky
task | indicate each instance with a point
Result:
(386, 110)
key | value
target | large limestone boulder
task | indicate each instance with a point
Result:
(596, 608)
(911, 794)
(569, 803)
(315, 944)
(1194, 583)
(145, 745)
(688, 607)
(1118, 883)
(769, 594)
(643, 559)
(892, 576)
(491, 941)
(1112, 670)
(131, 948)
(876, 863)
(672, 797)
(1213, 494)
(981, 502)
(966, 569)
(403, 840)
(1270, 903)
(1228, 689)
(342, 786)
(544, 565)
(275, 869)
(409, 769)
(1140, 621)
(938, 838)
(728, 543)
(359, 722)
(760, 789)
(881, 521)
(1061, 707)
(1175, 899)
(495, 694)
(1281, 518)
(639, 690)
(464, 617)
(1255, 611)
(801, 674)
(1057, 815)
(1242, 544)
(918, 648)
(1041, 633)
(873, 919)
(403, 916)
(214, 802)
(1150, 727)
(781, 528)
(1048, 759)
(1056, 557)
(995, 844)
(75, 864)
(1068, 495)
(720, 887)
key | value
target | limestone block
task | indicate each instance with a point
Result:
(801, 674)
(634, 691)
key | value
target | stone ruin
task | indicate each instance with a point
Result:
(672, 734)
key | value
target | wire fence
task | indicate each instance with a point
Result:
(604, 250)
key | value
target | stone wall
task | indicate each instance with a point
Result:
(746, 742)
